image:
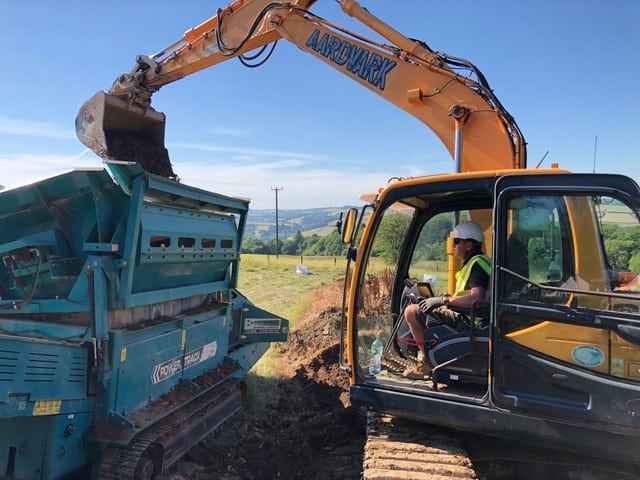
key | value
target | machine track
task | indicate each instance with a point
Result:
(398, 449)
(144, 453)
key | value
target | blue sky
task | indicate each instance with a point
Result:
(567, 70)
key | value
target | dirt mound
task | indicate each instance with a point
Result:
(307, 429)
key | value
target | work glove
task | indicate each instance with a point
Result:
(415, 298)
(430, 303)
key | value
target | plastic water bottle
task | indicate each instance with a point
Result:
(375, 364)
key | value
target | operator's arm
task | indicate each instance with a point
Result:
(465, 301)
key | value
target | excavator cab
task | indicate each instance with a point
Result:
(555, 360)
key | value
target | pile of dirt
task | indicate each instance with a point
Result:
(308, 430)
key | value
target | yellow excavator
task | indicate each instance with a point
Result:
(548, 367)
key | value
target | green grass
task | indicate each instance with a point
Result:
(431, 267)
(273, 284)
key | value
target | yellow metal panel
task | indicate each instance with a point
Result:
(590, 271)
(584, 346)
(625, 358)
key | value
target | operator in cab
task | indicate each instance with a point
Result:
(472, 281)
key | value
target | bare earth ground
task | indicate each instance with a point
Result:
(309, 431)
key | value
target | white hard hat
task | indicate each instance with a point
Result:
(469, 230)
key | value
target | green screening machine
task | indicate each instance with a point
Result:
(123, 338)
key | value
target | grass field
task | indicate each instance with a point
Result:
(273, 283)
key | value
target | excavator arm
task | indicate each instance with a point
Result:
(449, 95)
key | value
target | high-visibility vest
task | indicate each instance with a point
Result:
(462, 276)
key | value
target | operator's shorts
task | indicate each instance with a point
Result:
(442, 315)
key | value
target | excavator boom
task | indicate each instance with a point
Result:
(463, 112)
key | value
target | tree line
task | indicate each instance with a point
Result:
(387, 244)
(622, 244)
(298, 244)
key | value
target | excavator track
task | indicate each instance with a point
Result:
(398, 449)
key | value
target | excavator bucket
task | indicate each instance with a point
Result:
(117, 130)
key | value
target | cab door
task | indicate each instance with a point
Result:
(566, 300)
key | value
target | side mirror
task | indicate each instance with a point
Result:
(347, 227)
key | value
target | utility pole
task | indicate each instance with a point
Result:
(276, 189)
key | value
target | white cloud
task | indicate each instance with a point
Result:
(303, 188)
(22, 169)
(307, 180)
(308, 188)
(244, 152)
(18, 126)
(228, 131)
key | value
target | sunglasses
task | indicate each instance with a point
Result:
(457, 240)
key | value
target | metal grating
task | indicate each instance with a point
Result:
(43, 371)
(8, 364)
(51, 367)
(41, 367)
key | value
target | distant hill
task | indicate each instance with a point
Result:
(321, 221)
